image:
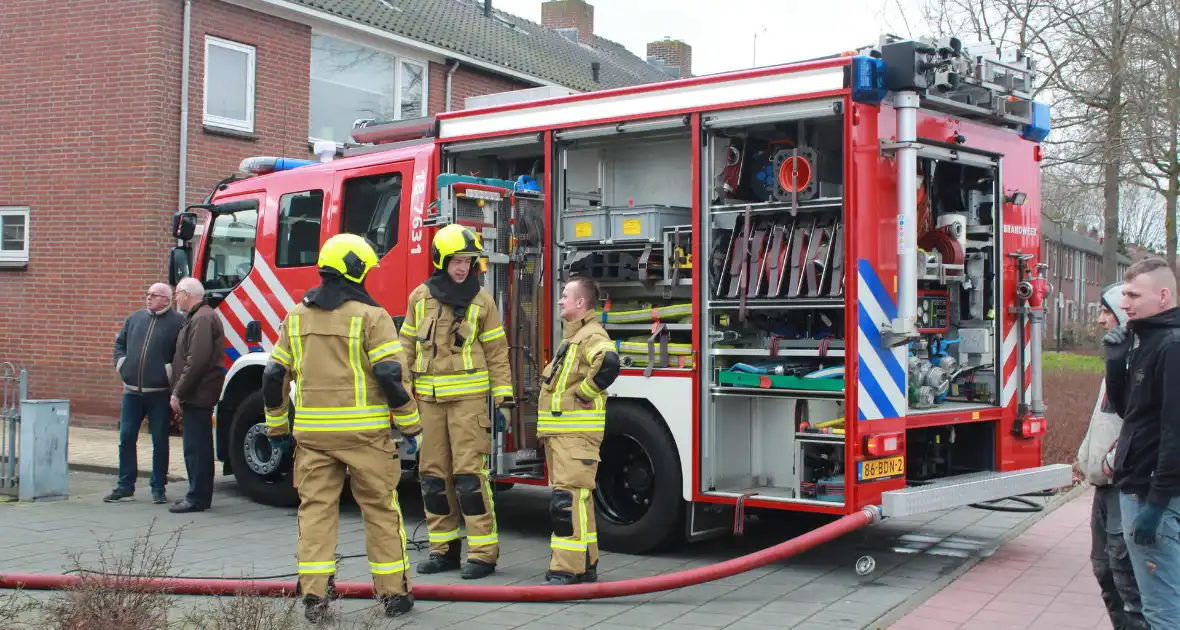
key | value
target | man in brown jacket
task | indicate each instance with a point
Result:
(198, 371)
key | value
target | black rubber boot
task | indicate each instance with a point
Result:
(315, 609)
(397, 605)
(437, 562)
(559, 578)
(474, 569)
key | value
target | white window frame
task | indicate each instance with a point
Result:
(398, 56)
(425, 81)
(246, 125)
(8, 257)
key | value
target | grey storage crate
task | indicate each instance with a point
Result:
(647, 222)
(585, 225)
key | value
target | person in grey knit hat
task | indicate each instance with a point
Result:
(1108, 550)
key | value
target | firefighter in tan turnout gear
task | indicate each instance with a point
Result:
(340, 353)
(571, 418)
(457, 350)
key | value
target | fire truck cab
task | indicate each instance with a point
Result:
(822, 278)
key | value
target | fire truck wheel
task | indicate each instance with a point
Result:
(637, 501)
(263, 476)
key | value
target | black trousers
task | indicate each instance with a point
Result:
(1112, 565)
(197, 440)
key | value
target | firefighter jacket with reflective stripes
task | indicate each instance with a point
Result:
(573, 385)
(456, 353)
(348, 375)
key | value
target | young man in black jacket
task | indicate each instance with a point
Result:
(143, 358)
(1143, 383)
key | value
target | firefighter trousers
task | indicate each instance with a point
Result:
(573, 465)
(374, 471)
(456, 442)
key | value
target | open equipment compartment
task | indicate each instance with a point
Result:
(623, 213)
(952, 365)
(495, 186)
(772, 298)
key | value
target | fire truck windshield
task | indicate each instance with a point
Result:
(230, 255)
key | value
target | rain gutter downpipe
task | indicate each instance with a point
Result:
(471, 593)
(184, 89)
(449, 73)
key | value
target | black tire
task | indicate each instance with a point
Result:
(637, 500)
(274, 489)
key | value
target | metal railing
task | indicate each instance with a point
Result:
(14, 387)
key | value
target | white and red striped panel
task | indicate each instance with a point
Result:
(1009, 358)
(259, 297)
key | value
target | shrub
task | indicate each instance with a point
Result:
(106, 598)
(13, 606)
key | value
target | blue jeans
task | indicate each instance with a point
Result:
(1157, 567)
(154, 405)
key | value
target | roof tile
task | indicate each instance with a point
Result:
(503, 40)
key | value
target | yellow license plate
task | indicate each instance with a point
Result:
(881, 468)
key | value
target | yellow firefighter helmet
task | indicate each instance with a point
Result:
(353, 256)
(454, 240)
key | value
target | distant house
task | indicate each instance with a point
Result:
(96, 91)
(1074, 256)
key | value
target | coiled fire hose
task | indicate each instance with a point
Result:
(470, 593)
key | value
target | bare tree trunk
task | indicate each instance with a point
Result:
(1114, 148)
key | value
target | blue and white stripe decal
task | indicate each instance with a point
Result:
(881, 373)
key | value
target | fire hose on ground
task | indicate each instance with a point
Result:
(463, 592)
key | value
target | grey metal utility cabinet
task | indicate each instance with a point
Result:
(44, 449)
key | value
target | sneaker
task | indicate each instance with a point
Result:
(159, 498)
(397, 605)
(118, 495)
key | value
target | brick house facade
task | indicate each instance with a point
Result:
(92, 105)
(1074, 256)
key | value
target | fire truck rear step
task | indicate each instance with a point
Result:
(961, 490)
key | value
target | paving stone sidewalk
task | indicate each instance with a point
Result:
(97, 450)
(818, 589)
(1042, 579)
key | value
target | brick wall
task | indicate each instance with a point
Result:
(674, 53)
(81, 92)
(557, 14)
(466, 82)
(95, 119)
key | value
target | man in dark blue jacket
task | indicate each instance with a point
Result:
(1143, 383)
(143, 358)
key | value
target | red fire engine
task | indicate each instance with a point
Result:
(823, 278)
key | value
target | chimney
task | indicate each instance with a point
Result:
(676, 55)
(571, 18)
(487, 8)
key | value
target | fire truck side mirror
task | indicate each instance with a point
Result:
(184, 225)
(254, 331)
(179, 264)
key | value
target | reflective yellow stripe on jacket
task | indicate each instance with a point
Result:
(472, 321)
(556, 419)
(453, 385)
(420, 353)
(341, 418)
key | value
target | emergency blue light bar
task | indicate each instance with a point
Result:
(262, 165)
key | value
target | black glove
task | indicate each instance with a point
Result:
(1116, 342)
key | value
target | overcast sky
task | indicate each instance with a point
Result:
(721, 32)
